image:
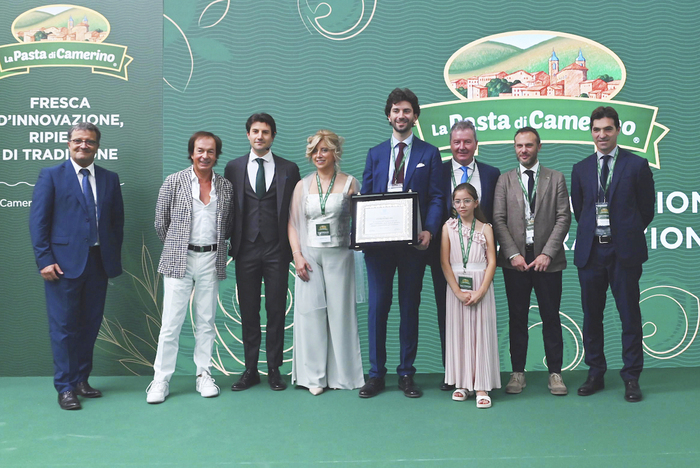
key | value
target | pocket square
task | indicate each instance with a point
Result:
(420, 165)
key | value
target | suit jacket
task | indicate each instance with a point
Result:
(552, 217)
(286, 177)
(174, 217)
(422, 176)
(58, 223)
(488, 176)
(630, 200)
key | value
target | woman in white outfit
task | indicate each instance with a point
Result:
(326, 341)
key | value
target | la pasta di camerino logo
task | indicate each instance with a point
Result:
(548, 80)
(62, 36)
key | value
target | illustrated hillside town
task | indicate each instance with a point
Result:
(71, 32)
(571, 81)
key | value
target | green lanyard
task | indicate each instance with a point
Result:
(465, 255)
(534, 188)
(454, 181)
(612, 166)
(321, 198)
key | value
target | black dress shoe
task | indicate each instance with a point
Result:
(85, 390)
(632, 391)
(591, 385)
(445, 387)
(372, 387)
(68, 401)
(410, 389)
(274, 378)
(249, 378)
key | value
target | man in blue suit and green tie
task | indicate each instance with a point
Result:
(402, 163)
(76, 224)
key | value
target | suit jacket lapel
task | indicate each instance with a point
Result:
(542, 187)
(415, 156)
(513, 177)
(100, 187)
(618, 171)
(240, 182)
(73, 184)
(281, 174)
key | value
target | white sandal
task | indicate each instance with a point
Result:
(460, 394)
(479, 398)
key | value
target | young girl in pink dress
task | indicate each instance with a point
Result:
(468, 258)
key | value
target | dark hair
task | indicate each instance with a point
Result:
(398, 95)
(197, 136)
(90, 127)
(528, 130)
(261, 117)
(464, 125)
(602, 112)
(478, 214)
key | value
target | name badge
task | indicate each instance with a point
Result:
(466, 283)
(323, 232)
(530, 230)
(395, 187)
(602, 214)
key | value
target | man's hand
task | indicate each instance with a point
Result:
(518, 263)
(423, 240)
(51, 272)
(541, 263)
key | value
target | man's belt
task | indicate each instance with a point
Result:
(603, 239)
(202, 248)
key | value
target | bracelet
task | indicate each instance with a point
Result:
(296, 252)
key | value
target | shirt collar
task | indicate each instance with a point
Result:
(408, 140)
(252, 156)
(78, 167)
(613, 153)
(534, 168)
(193, 175)
(471, 165)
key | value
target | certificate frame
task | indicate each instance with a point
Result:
(384, 219)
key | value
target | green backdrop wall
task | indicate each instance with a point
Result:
(331, 65)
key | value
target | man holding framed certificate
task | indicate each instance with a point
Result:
(404, 163)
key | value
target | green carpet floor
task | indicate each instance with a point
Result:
(262, 428)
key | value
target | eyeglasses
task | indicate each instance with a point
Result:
(79, 142)
(466, 201)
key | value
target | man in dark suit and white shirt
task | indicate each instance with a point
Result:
(612, 193)
(463, 167)
(76, 223)
(531, 218)
(403, 163)
(263, 184)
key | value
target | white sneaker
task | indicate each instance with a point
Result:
(157, 391)
(206, 387)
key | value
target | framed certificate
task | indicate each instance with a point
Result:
(385, 219)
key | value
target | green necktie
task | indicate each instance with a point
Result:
(260, 179)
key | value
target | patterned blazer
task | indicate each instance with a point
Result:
(174, 216)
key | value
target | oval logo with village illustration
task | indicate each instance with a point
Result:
(60, 23)
(524, 64)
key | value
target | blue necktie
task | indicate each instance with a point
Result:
(90, 203)
(465, 171)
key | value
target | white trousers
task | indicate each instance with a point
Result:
(201, 271)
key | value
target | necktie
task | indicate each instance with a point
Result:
(398, 168)
(604, 172)
(90, 203)
(260, 179)
(530, 187)
(465, 172)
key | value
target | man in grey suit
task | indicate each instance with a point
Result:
(531, 217)
(263, 184)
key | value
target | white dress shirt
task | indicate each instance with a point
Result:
(253, 167)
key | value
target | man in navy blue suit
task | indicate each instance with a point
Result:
(612, 193)
(401, 164)
(463, 167)
(76, 224)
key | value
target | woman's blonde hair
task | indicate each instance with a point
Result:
(333, 141)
